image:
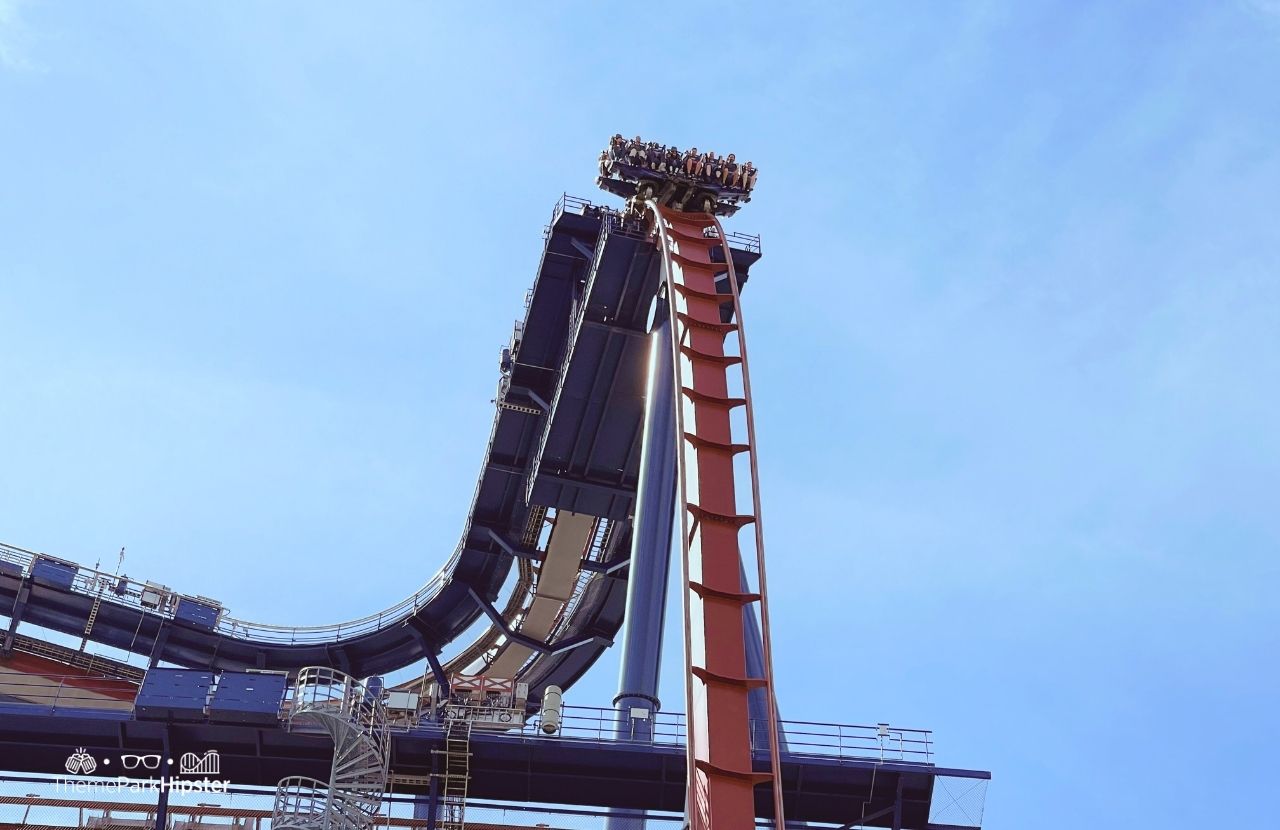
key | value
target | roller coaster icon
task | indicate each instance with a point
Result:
(192, 764)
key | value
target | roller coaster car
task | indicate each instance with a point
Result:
(671, 189)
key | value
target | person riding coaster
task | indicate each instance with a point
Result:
(688, 180)
(691, 165)
(729, 174)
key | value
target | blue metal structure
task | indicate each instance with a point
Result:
(582, 426)
(637, 699)
(839, 775)
(566, 435)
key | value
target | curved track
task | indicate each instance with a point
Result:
(562, 456)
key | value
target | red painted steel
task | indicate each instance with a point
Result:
(722, 782)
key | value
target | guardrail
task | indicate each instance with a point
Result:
(124, 591)
(615, 223)
(879, 742)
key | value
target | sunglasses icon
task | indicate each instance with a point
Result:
(146, 761)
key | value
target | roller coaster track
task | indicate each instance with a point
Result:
(572, 614)
(702, 294)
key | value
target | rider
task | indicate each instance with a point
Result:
(691, 162)
(655, 156)
(729, 175)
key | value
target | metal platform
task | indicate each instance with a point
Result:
(833, 773)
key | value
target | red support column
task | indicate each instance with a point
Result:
(722, 780)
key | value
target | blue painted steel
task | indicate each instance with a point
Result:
(173, 694)
(504, 766)
(757, 702)
(197, 613)
(54, 574)
(650, 557)
(650, 547)
(248, 697)
(582, 346)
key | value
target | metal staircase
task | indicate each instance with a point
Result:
(328, 700)
(457, 772)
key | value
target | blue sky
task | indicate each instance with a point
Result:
(1015, 338)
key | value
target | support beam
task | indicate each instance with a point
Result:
(15, 616)
(538, 399)
(162, 639)
(518, 551)
(162, 801)
(614, 327)
(429, 648)
(495, 617)
(650, 560)
(438, 672)
(606, 568)
(603, 488)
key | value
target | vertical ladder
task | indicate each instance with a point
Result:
(702, 295)
(93, 617)
(457, 772)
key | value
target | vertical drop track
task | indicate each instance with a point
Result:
(705, 310)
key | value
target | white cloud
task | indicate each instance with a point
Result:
(12, 36)
(1269, 8)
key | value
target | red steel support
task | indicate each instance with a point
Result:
(722, 781)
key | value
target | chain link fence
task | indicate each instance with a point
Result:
(103, 803)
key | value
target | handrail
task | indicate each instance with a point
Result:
(125, 591)
(297, 798)
(351, 699)
(844, 742)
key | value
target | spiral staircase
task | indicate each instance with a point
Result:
(328, 700)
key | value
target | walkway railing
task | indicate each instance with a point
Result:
(614, 222)
(124, 591)
(881, 742)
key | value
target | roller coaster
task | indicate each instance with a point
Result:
(623, 411)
